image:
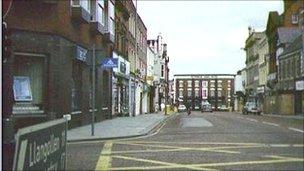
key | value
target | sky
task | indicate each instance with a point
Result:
(205, 37)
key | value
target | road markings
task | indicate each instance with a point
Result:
(105, 159)
(269, 123)
(253, 120)
(172, 165)
(295, 129)
(177, 148)
(274, 159)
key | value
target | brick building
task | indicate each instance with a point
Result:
(217, 89)
(281, 31)
(52, 44)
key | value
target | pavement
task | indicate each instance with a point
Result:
(120, 127)
(287, 116)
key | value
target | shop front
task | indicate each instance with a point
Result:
(121, 83)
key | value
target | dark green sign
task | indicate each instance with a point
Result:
(42, 146)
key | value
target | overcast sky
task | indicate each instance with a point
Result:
(205, 36)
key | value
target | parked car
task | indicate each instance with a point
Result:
(223, 108)
(206, 107)
(251, 107)
(181, 108)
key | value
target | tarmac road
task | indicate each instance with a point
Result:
(200, 141)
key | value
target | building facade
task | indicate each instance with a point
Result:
(252, 64)
(281, 31)
(121, 75)
(193, 89)
(291, 77)
(53, 45)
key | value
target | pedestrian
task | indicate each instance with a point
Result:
(189, 110)
(162, 105)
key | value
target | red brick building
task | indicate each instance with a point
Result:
(192, 89)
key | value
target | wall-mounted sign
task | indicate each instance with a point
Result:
(22, 88)
(109, 63)
(261, 89)
(81, 53)
(300, 85)
(41, 146)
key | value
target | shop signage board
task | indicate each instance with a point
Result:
(300, 85)
(109, 63)
(42, 146)
(81, 53)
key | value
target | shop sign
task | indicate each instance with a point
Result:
(109, 63)
(261, 89)
(42, 146)
(300, 85)
(81, 53)
(122, 67)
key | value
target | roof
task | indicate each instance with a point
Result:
(288, 34)
(297, 44)
(274, 20)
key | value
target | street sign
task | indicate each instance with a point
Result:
(109, 63)
(41, 146)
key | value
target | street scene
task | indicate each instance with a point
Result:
(152, 85)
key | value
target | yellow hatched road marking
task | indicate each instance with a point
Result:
(173, 165)
(278, 159)
(105, 159)
(177, 148)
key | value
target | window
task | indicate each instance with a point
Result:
(196, 92)
(189, 92)
(294, 19)
(28, 82)
(181, 84)
(100, 13)
(180, 92)
(196, 83)
(204, 94)
(162, 71)
(111, 18)
(212, 93)
(219, 93)
(189, 83)
(204, 83)
(212, 83)
(76, 86)
(83, 3)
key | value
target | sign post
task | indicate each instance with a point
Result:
(42, 146)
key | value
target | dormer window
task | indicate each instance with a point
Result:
(294, 19)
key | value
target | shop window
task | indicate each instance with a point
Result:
(76, 86)
(28, 85)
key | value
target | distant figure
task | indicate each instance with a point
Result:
(189, 110)
(162, 106)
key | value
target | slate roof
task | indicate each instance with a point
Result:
(294, 46)
(288, 34)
